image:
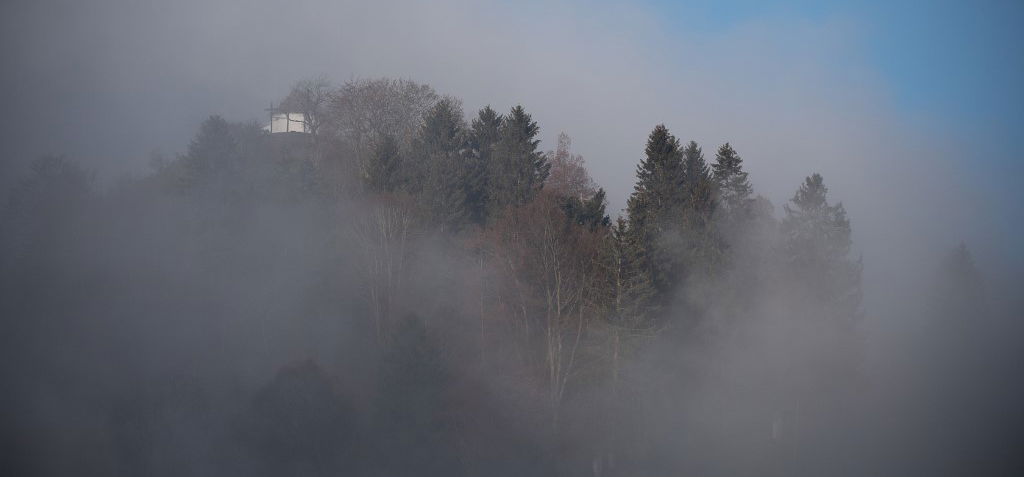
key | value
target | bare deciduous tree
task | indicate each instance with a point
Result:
(552, 282)
(383, 236)
(568, 175)
(311, 97)
(367, 110)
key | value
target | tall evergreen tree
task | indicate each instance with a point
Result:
(518, 168)
(817, 244)
(656, 195)
(698, 185)
(630, 289)
(657, 187)
(212, 154)
(628, 308)
(694, 169)
(484, 133)
(443, 170)
(734, 188)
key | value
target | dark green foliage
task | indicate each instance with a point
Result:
(698, 246)
(445, 178)
(589, 213)
(815, 231)
(212, 156)
(695, 175)
(630, 290)
(658, 177)
(733, 185)
(817, 244)
(484, 134)
(517, 169)
(698, 190)
(657, 197)
(443, 130)
(239, 162)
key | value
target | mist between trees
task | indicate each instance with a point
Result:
(406, 290)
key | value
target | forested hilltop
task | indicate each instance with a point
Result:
(411, 289)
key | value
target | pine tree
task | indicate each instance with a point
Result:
(656, 196)
(698, 185)
(484, 134)
(822, 307)
(630, 290)
(817, 245)
(734, 188)
(628, 308)
(814, 229)
(212, 154)
(518, 169)
(694, 169)
(657, 188)
(443, 170)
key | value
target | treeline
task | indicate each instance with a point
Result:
(466, 303)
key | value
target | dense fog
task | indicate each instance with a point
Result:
(432, 278)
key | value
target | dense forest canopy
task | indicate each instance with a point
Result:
(415, 289)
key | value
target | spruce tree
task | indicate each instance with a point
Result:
(443, 169)
(628, 303)
(821, 286)
(815, 230)
(212, 155)
(484, 134)
(657, 188)
(734, 188)
(694, 169)
(630, 289)
(698, 185)
(656, 196)
(817, 246)
(694, 250)
(518, 169)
